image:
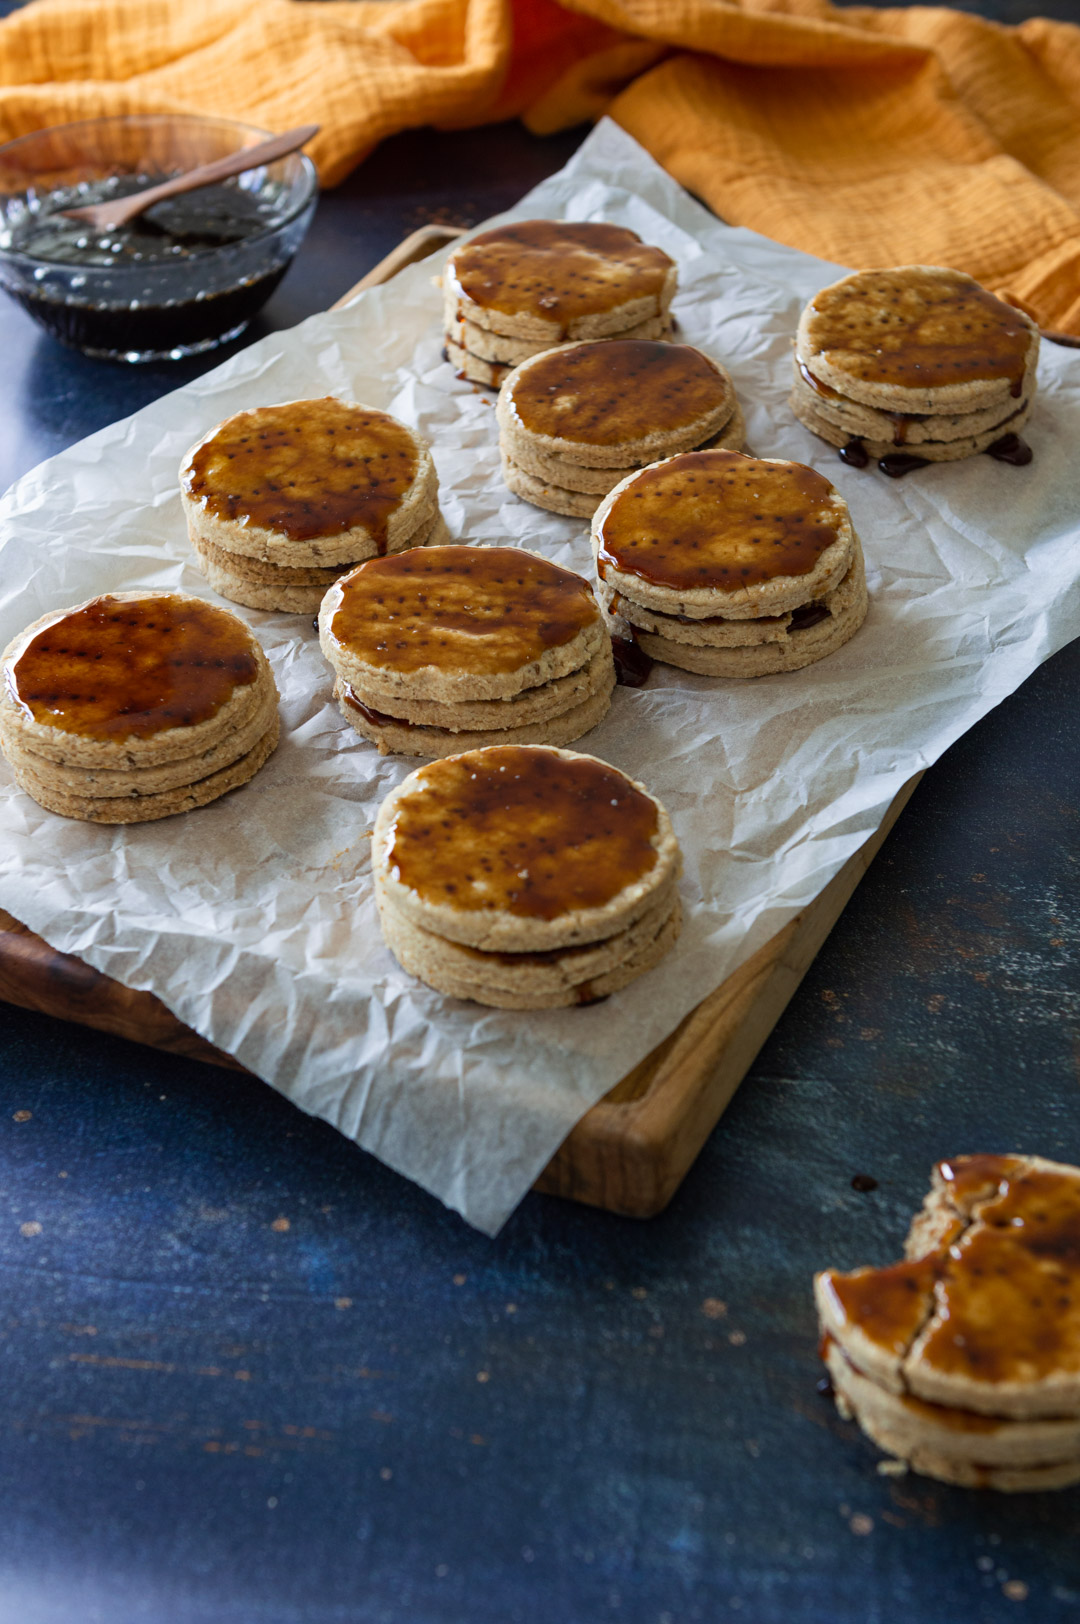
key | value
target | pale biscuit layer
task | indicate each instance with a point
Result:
(829, 365)
(699, 633)
(268, 593)
(498, 931)
(343, 546)
(487, 345)
(847, 604)
(167, 745)
(110, 782)
(136, 808)
(815, 420)
(772, 597)
(408, 739)
(867, 423)
(528, 705)
(560, 982)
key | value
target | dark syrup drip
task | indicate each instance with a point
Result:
(632, 664)
(854, 454)
(899, 463)
(863, 1183)
(1011, 449)
(809, 614)
(824, 1386)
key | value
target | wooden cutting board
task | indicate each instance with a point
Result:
(631, 1151)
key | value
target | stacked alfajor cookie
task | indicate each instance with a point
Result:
(134, 706)
(576, 420)
(915, 365)
(964, 1360)
(514, 291)
(453, 648)
(282, 500)
(525, 877)
(728, 565)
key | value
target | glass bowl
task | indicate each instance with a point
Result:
(150, 292)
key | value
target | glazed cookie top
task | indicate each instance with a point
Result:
(615, 392)
(523, 830)
(120, 668)
(306, 469)
(482, 610)
(989, 1318)
(916, 327)
(557, 270)
(719, 519)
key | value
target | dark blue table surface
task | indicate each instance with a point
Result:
(252, 1377)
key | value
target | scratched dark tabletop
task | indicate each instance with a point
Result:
(252, 1377)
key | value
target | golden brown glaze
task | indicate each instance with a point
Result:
(523, 831)
(974, 1178)
(477, 609)
(943, 1415)
(889, 1306)
(918, 329)
(307, 469)
(1011, 1294)
(719, 519)
(610, 392)
(816, 384)
(557, 269)
(114, 670)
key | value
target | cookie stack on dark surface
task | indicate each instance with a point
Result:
(728, 565)
(522, 288)
(964, 1360)
(134, 706)
(282, 500)
(454, 648)
(915, 365)
(525, 877)
(576, 420)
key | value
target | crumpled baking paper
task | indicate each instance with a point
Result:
(253, 918)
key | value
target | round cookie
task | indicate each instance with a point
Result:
(522, 849)
(395, 736)
(954, 450)
(917, 339)
(714, 533)
(308, 484)
(458, 623)
(492, 374)
(550, 280)
(812, 400)
(173, 678)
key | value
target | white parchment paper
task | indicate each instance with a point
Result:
(253, 918)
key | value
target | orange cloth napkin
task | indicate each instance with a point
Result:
(868, 137)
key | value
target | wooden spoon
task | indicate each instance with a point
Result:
(108, 216)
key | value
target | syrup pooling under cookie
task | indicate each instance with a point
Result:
(114, 669)
(523, 831)
(918, 329)
(719, 519)
(617, 391)
(307, 469)
(484, 610)
(557, 270)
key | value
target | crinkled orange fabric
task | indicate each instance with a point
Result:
(869, 137)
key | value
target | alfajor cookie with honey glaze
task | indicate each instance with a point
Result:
(729, 565)
(914, 365)
(135, 706)
(282, 500)
(454, 648)
(964, 1359)
(579, 418)
(521, 288)
(525, 877)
